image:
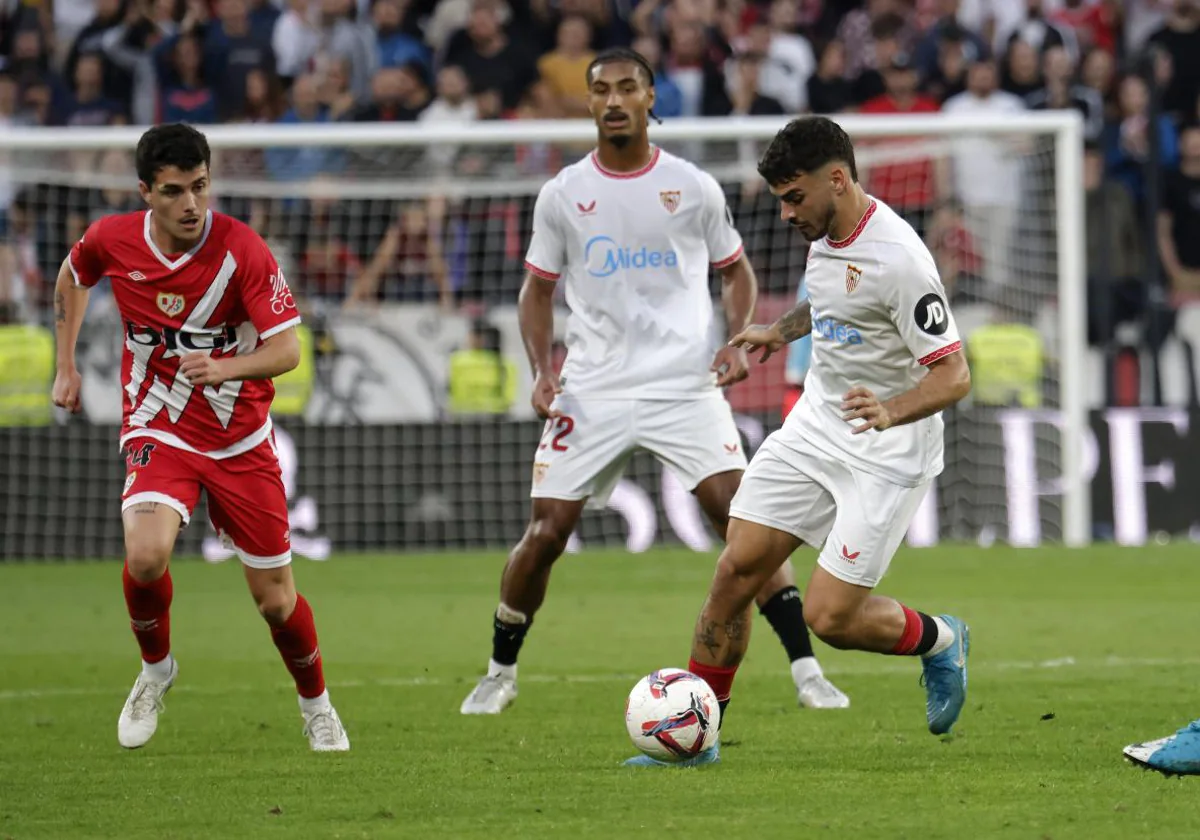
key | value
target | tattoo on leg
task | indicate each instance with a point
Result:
(706, 635)
(146, 507)
(726, 651)
(60, 308)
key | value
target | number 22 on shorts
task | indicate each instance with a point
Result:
(564, 426)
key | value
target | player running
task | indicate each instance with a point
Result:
(854, 459)
(208, 321)
(1175, 755)
(632, 230)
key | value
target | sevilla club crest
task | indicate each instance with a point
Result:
(669, 199)
(170, 304)
(853, 275)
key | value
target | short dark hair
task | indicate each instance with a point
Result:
(611, 56)
(805, 145)
(173, 144)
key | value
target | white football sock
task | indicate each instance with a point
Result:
(945, 637)
(159, 671)
(506, 672)
(308, 705)
(805, 667)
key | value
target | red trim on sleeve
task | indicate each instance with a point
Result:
(858, 229)
(731, 259)
(940, 354)
(540, 272)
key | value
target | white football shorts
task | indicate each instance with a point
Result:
(583, 453)
(856, 519)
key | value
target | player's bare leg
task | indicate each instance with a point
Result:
(779, 601)
(851, 617)
(294, 633)
(150, 532)
(522, 591)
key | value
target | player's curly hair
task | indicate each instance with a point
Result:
(805, 145)
(172, 144)
(622, 54)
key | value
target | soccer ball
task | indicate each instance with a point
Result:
(672, 715)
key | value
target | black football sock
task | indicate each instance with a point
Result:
(507, 638)
(785, 613)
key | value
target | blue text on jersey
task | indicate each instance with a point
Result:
(836, 331)
(604, 257)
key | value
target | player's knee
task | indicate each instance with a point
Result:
(829, 623)
(147, 555)
(547, 538)
(275, 604)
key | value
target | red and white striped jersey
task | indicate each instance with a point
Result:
(223, 297)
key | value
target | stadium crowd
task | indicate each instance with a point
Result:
(1131, 68)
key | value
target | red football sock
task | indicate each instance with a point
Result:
(920, 633)
(720, 680)
(149, 606)
(297, 643)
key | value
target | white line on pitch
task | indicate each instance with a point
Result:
(892, 666)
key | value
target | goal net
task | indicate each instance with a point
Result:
(408, 425)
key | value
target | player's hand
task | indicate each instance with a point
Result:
(203, 369)
(759, 335)
(860, 404)
(545, 388)
(730, 365)
(67, 389)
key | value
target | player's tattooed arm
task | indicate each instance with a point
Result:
(70, 302)
(796, 322)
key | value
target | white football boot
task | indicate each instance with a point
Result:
(492, 696)
(324, 730)
(817, 692)
(139, 717)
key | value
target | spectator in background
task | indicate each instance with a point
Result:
(949, 77)
(563, 70)
(334, 91)
(398, 94)
(888, 34)
(957, 255)
(987, 177)
(263, 101)
(408, 264)
(856, 33)
(925, 56)
(829, 91)
(326, 263)
(1099, 73)
(1095, 23)
(482, 381)
(295, 39)
(116, 83)
(1180, 39)
(908, 186)
(1061, 93)
(1127, 139)
(453, 106)
(1021, 75)
(19, 256)
(396, 46)
(1179, 218)
(1116, 286)
(745, 96)
(668, 99)
(28, 62)
(489, 58)
(185, 95)
(86, 104)
(1042, 33)
(302, 164)
(343, 37)
(232, 50)
(690, 65)
(788, 56)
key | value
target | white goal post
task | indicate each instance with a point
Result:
(38, 155)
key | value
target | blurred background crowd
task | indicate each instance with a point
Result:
(1130, 67)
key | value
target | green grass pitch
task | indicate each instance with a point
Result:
(1075, 654)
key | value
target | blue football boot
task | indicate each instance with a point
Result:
(710, 756)
(1175, 755)
(945, 679)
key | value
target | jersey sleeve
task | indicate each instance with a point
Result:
(547, 253)
(265, 292)
(88, 259)
(917, 305)
(722, 238)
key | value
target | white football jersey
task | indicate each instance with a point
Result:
(879, 316)
(634, 250)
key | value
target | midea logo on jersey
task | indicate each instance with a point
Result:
(836, 331)
(604, 257)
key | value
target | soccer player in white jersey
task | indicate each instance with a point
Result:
(631, 231)
(854, 459)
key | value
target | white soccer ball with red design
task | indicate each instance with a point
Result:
(672, 715)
